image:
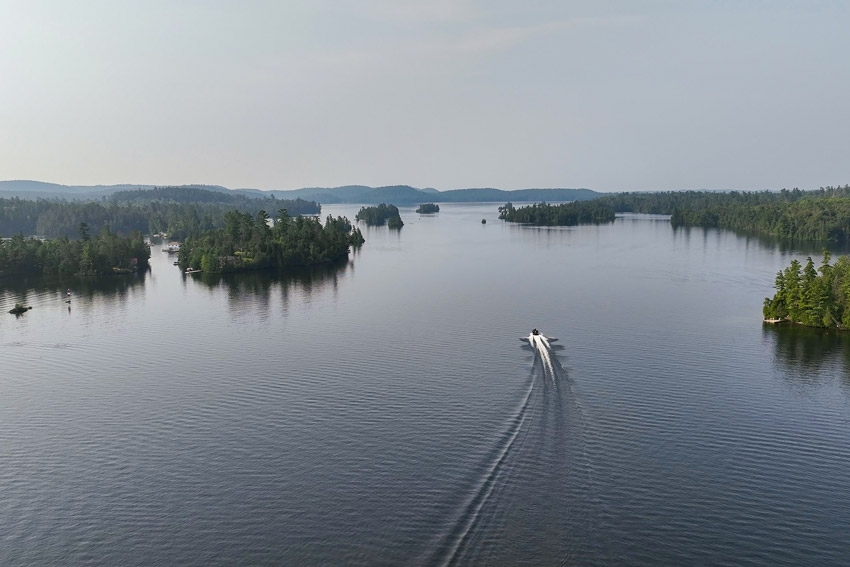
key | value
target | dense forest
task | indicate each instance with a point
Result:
(428, 208)
(379, 215)
(567, 214)
(175, 211)
(248, 242)
(237, 201)
(666, 202)
(105, 253)
(823, 214)
(818, 297)
(807, 219)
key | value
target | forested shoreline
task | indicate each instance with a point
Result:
(180, 212)
(816, 297)
(250, 242)
(820, 215)
(105, 253)
(175, 211)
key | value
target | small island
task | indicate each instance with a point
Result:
(428, 208)
(255, 243)
(815, 297)
(380, 215)
(567, 214)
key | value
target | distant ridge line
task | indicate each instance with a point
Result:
(396, 194)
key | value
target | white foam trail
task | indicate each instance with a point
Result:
(541, 345)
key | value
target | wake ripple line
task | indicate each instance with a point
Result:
(589, 469)
(539, 400)
(473, 509)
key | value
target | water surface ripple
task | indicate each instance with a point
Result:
(383, 411)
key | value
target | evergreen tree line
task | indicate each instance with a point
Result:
(823, 214)
(567, 214)
(239, 201)
(252, 242)
(808, 219)
(142, 210)
(665, 202)
(818, 297)
(379, 215)
(105, 253)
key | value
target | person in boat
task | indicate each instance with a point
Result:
(535, 332)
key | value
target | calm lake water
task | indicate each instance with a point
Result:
(384, 411)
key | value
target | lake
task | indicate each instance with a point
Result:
(384, 411)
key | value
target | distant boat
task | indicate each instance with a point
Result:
(530, 338)
(192, 271)
(172, 248)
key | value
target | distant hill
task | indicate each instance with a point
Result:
(520, 195)
(26, 189)
(25, 186)
(344, 194)
(394, 194)
(406, 195)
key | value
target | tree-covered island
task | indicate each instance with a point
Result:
(250, 242)
(379, 215)
(105, 253)
(816, 297)
(428, 208)
(567, 214)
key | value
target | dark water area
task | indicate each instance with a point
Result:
(384, 411)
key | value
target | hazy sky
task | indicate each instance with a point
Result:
(630, 95)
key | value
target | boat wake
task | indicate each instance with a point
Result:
(456, 540)
(532, 502)
(543, 348)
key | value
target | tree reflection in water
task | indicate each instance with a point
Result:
(811, 356)
(38, 289)
(250, 290)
